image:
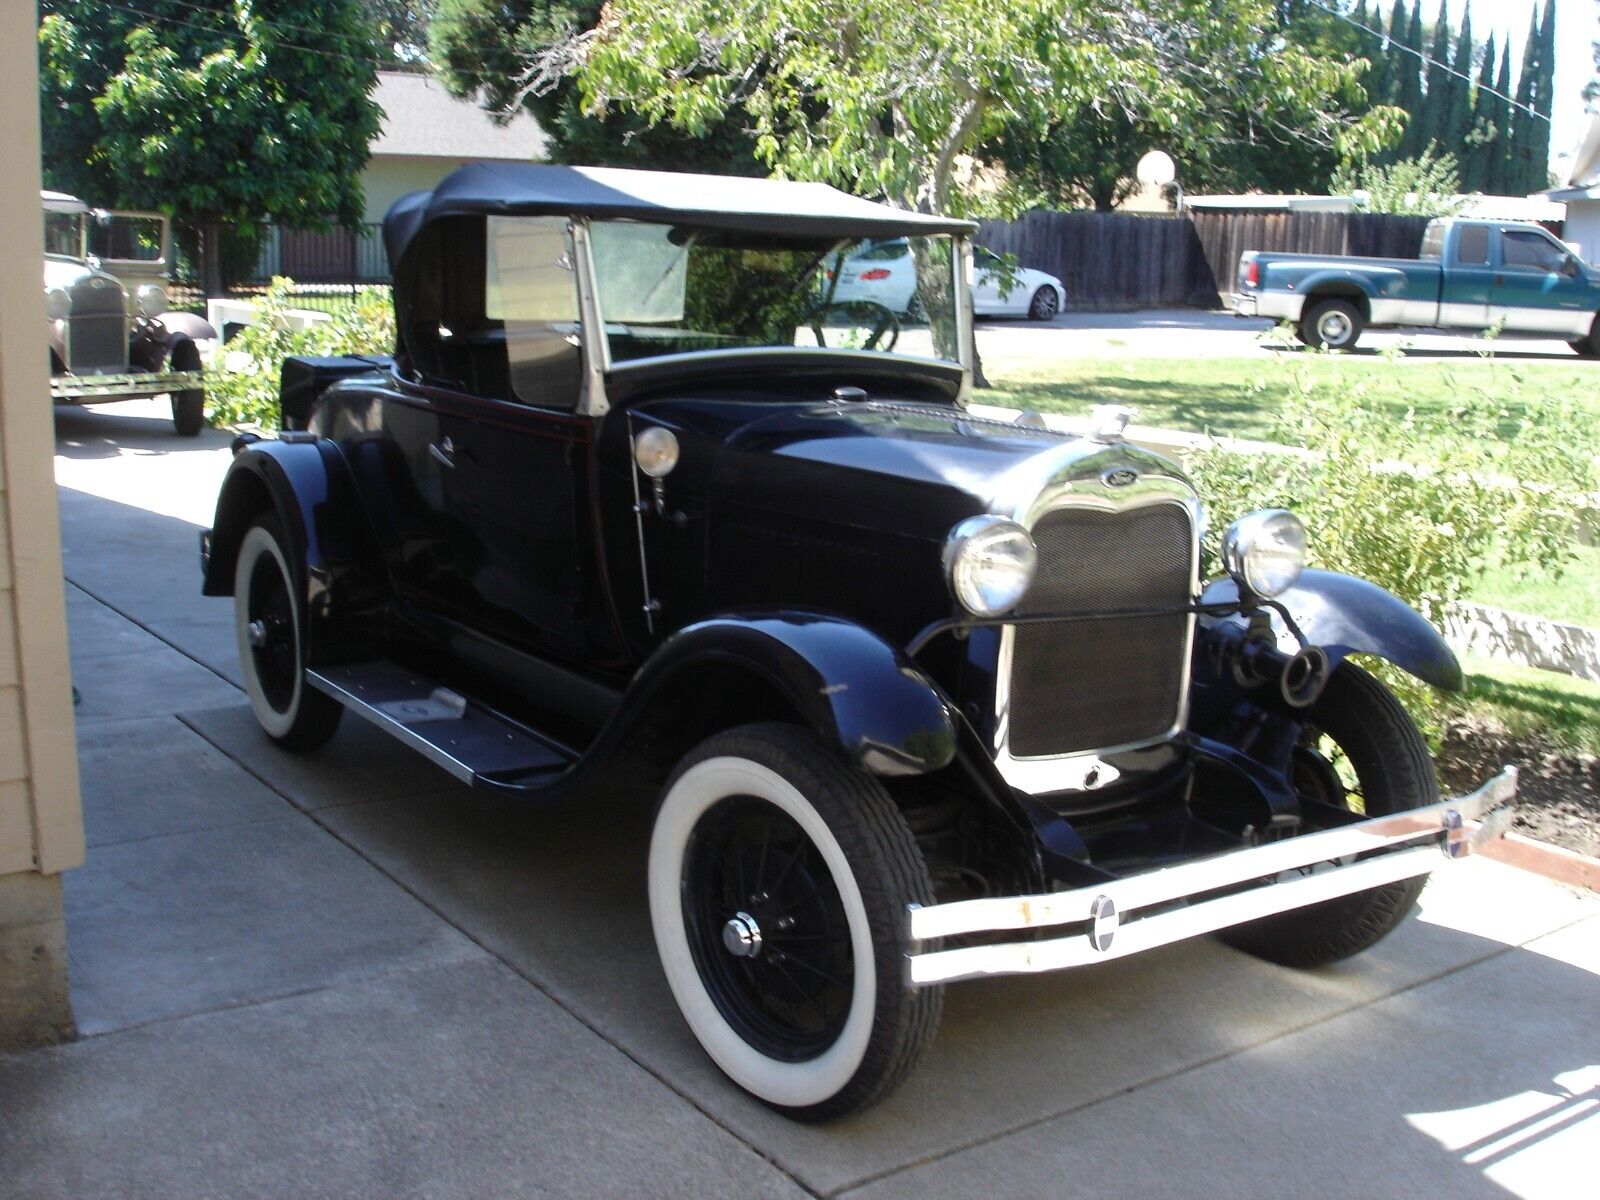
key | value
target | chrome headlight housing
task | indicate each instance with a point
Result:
(57, 303)
(989, 562)
(152, 300)
(1265, 551)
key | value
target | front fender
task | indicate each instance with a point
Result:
(190, 325)
(858, 692)
(308, 487)
(1345, 615)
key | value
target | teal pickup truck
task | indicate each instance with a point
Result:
(1468, 275)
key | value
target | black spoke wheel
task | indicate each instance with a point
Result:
(269, 628)
(1358, 750)
(778, 884)
(768, 929)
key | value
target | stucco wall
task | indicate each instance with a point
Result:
(41, 821)
(1583, 228)
(385, 180)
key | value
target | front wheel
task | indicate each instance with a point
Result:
(270, 629)
(189, 412)
(1332, 325)
(778, 885)
(1044, 305)
(1589, 347)
(1358, 750)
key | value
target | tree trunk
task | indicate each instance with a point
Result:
(211, 258)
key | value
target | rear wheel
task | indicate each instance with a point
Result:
(1359, 750)
(1332, 325)
(270, 629)
(778, 884)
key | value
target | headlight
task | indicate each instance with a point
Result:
(152, 300)
(57, 304)
(989, 561)
(656, 452)
(1265, 551)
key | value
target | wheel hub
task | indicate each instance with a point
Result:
(256, 632)
(742, 936)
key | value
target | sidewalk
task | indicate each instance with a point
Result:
(343, 974)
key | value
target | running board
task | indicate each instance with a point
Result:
(475, 744)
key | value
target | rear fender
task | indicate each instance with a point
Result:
(307, 485)
(860, 694)
(1345, 615)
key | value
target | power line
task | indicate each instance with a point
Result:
(236, 34)
(1428, 59)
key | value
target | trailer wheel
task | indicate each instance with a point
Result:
(778, 885)
(1359, 750)
(1332, 325)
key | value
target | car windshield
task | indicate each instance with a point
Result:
(63, 234)
(127, 238)
(674, 289)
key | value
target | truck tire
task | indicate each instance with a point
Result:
(778, 882)
(269, 624)
(1589, 347)
(1356, 728)
(1332, 325)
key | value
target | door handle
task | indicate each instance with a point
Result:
(443, 452)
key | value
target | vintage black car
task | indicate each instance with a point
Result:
(927, 696)
(111, 335)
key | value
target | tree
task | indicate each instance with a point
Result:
(1456, 123)
(500, 53)
(869, 95)
(1410, 95)
(1426, 186)
(214, 114)
(1430, 121)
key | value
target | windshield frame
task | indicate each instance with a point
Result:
(598, 363)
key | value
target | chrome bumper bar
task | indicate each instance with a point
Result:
(116, 387)
(1274, 878)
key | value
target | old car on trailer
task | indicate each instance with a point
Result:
(929, 696)
(111, 334)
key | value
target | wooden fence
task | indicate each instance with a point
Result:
(1113, 261)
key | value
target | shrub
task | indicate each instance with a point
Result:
(242, 385)
(1419, 507)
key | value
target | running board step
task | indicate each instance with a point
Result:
(474, 743)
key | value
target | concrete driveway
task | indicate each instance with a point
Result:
(1195, 333)
(343, 974)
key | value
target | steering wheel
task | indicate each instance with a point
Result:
(883, 317)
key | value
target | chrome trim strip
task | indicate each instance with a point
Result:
(962, 268)
(694, 356)
(1081, 488)
(132, 385)
(1147, 933)
(1433, 822)
(591, 325)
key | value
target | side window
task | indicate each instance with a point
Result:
(1472, 246)
(885, 252)
(1433, 241)
(531, 290)
(1524, 248)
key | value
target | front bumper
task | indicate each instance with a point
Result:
(1138, 913)
(87, 389)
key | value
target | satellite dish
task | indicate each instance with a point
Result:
(1156, 169)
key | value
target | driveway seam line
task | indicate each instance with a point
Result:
(1200, 1064)
(530, 980)
(166, 641)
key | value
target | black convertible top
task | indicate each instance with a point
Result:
(709, 201)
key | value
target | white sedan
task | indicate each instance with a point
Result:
(883, 274)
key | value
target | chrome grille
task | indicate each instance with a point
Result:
(1090, 684)
(97, 330)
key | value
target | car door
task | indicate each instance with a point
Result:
(1464, 295)
(988, 275)
(1537, 286)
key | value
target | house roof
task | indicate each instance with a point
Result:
(423, 120)
(1583, 177)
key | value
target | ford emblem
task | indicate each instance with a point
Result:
(1120, 477)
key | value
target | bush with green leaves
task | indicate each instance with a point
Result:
(242, 384)
(1420, 507)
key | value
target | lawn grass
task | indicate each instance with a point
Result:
(1239, 397)
(1527, 702)
(1574, 598)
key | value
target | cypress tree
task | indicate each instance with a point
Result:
(1521, 173)
(1371, 50)
(1394, 58)
(1410, 95)
(1457, 121)
(1434, 117)
(1500, 160)
(1543, 101)
(1475, 170)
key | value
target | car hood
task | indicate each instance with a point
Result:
(63, 273)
